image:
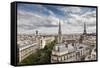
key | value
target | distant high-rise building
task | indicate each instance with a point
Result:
(36, 32)
(37, 36)
(84, 29)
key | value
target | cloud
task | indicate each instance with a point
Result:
(45, 18)
(79, 19)
(28, 21)
(69, 10)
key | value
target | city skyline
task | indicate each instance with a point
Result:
(45, 18)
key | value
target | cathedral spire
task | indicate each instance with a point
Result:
(59, 33)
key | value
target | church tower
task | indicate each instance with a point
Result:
(84, 29)
(83, 35)
(59, 34)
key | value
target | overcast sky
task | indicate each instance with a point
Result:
(45, 18)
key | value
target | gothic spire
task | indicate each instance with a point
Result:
(59, 33)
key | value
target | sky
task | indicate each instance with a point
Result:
(45, 18)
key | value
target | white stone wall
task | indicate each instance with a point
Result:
(24, 53)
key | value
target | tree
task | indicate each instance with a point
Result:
(41, 56)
